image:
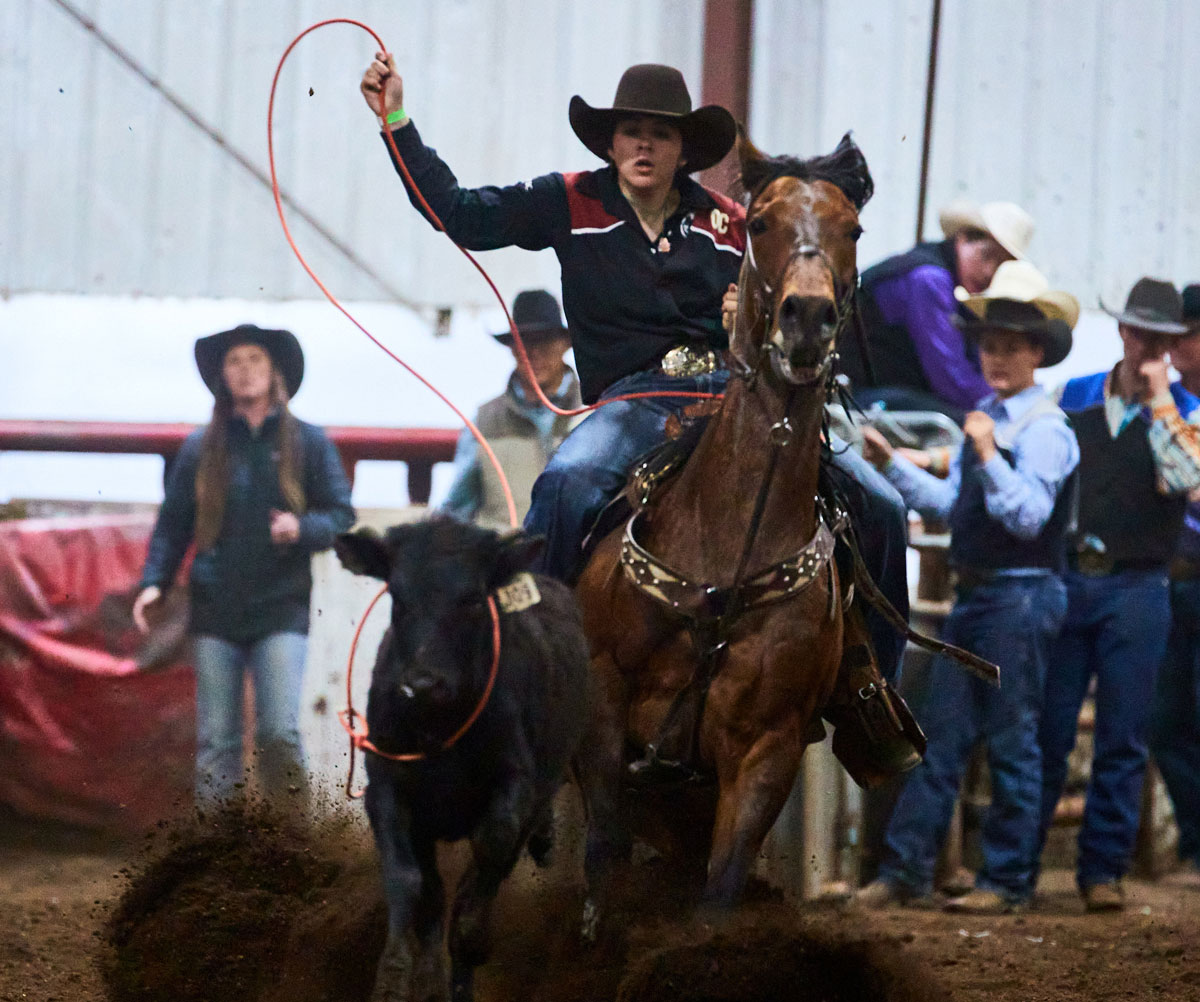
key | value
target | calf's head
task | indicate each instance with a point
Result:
(438, 575)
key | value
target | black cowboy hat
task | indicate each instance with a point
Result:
(1152, 305)
(1191, 306)
(537, 316)
(282, 346)
(1053, 334)
(653, 89)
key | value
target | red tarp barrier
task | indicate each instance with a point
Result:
(96, 721)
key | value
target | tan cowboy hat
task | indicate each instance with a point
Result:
(1020, 299)
(654, 89)
(1006, 222)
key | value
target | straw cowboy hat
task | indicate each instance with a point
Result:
(537, 316)
(653, 89)
(1152, 305)
(1006, 222)
(282, 346)
(1021, 300)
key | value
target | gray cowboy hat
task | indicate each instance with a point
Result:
(1153, 305)
(654, 89)
(281, 345)
(537, 316)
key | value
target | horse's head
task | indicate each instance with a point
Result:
(800, 269)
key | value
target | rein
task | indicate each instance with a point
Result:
(359, 735)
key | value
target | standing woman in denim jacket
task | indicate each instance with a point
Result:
(258, 491)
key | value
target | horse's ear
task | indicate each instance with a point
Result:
(752, 160)
(851, 167)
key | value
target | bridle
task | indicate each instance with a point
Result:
(844, 310)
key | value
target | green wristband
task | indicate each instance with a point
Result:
(395, 116)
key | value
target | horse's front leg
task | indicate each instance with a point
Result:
(391, 824)
(753, 789)
(599, 767)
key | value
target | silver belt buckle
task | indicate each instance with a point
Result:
(685, 361)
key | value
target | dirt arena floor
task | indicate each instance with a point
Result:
(251, 910)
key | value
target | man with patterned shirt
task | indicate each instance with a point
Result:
(1139, 439)
(1175, 726)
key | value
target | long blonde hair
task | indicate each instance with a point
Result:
(212, 472)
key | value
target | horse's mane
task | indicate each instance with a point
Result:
(845, 168)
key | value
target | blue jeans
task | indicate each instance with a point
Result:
(1011, 621)
(1175, 725)
(1116, 630)
(592, 465)
(276, 667)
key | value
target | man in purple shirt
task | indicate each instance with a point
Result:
(919, 359)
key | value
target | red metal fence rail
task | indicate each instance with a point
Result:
(420, 448)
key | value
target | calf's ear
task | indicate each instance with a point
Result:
(363, 552)
(516, 553)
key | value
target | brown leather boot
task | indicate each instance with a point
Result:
(876, 736)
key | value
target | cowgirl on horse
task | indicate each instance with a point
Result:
(647, 254)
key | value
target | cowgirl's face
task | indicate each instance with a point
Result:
(647, 151)
(247, 371)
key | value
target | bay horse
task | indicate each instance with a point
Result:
(730, 564)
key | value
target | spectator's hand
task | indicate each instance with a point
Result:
(729, 304)
(981, 429)
(285, 528)
(877, 450)
(1156, 377)
(381, 82)
(147, 598)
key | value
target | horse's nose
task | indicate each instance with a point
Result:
(801, 315)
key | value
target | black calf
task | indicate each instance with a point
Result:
(496, 784)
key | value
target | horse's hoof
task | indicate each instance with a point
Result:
(591, 922)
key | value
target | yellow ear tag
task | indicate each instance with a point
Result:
(519, 594)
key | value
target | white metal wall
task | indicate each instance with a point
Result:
(1084, 111)
(108, 189)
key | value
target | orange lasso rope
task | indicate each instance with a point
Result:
(522, 357)
(347, 717)
(359, 736)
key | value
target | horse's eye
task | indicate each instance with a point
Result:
(856, 233)
(757, 225)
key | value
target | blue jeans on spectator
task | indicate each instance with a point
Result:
(276, 667)
(592, 465)
(1116, 630)
(1175, 726)
(1011, 621)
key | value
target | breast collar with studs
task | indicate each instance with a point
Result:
(697, 601)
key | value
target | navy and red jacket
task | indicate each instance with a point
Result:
(628, 299)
